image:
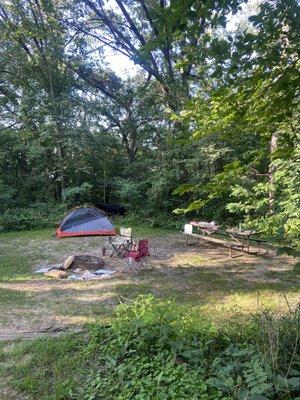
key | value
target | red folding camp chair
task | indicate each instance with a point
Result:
(138, 256)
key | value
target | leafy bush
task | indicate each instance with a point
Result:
(144, 355)
(6, 194)
(131, 193)
(78, 194)
(155, 220)
(156, 351)
(38, 215)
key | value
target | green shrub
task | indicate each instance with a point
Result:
(155, 220)
(78, 194)
(37, 215)
(150, 353)
(155, 350)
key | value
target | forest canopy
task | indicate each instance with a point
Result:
(205, 124)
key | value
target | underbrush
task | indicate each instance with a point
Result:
(155, 220)
(156, 350)
(47, 215)
(34, 216)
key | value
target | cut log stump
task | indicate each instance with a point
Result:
(56, 273)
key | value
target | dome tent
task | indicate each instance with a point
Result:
(85, 221)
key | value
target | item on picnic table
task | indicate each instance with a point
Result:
(208, 226)
(241, 232)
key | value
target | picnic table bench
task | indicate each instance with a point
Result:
(231, 245)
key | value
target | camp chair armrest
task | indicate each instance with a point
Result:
(132, 254)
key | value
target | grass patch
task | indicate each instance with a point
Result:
(11, 297)
(30, 234)
(46, 368)
(14, 267)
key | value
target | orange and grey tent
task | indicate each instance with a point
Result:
(85, 221)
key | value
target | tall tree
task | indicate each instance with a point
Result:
(157, 35)
(256, 110)
(36, 80)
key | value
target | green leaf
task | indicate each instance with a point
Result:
(257, 396)
(184, 188)
(243, 393)
(179, 211)
(195, 205)
(295, 381)
(285, 250)
(296, 268)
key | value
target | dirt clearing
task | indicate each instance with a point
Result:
(199, 276)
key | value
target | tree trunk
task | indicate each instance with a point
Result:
(272, 170)
(104, 187)
(61, 168)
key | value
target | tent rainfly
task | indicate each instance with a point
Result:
(85, 221)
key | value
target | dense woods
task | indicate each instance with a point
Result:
(208, 125)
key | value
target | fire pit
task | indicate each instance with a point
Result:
(78, 267)
(84, 262)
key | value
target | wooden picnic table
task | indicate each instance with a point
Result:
(244, 236)
(206, 231)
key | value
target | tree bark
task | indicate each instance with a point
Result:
(61, 168)
(272, 170)
(104, 186)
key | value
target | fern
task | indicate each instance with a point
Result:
(256, 376)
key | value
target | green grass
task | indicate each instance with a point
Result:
(14, 267)
(32, 234)
(45, 368)
(11, 297)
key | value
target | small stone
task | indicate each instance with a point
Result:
(42, 270)
(105, 276)
(89, 275)
(104, 272)
(75, 277)
(68, 262)
(56, 273)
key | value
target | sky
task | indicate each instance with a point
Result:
(123, 66)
